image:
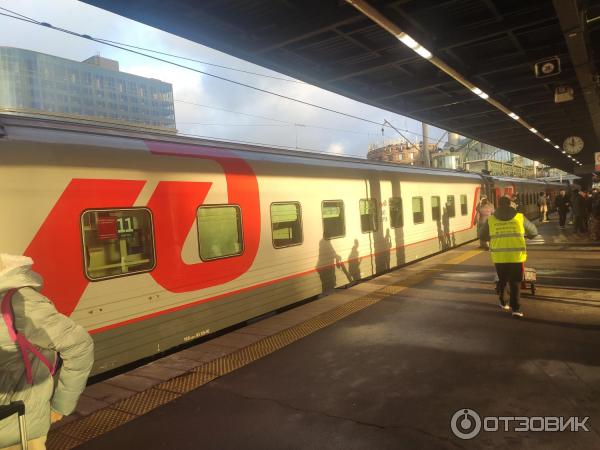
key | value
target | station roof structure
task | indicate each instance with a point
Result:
(492, 45)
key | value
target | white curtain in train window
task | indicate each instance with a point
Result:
(450, 206)
(368, 215)
(417, 208)
(286, 224)
(219, 231)
(334, 225)
(464, 206)
(396, 214)
(435, 208)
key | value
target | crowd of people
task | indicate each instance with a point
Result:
(581, 209)
(578, 208)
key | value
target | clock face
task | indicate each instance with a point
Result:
(573, 145)
(547, 68)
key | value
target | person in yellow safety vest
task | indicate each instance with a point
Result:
(506, 230)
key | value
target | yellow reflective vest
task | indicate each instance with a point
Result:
(507, 239)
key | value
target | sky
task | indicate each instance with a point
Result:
(282, 123)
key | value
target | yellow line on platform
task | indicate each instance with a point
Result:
(464, 256)
(96, 424)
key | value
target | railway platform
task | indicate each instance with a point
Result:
(383, 364)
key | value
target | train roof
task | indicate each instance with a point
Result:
(48, 130)
(524, 180)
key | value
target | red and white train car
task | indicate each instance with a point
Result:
(150, 241)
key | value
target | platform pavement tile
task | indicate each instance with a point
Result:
(88, 405)
(157, 371)
(65, 420)
(202, 354)
(107, 392)
(133, 382)
(265, 329)
(236, 339)
(175, 361)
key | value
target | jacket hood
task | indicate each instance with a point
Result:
(505, 213)
(15, 273)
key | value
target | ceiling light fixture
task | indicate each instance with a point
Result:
(547, 140)
(369, 11)
(414, 45)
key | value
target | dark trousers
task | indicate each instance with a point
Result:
(511, 274)
(580, 224)
(562, 216)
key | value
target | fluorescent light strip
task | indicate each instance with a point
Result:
(414, 45)
(479, 92)
(365, 8)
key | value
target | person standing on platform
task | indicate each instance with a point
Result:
(562, 204)
(543, 207)
(578, 206)
(45, 358)
(595, 217)
(484, 211)
(514, 202)
(506, 230)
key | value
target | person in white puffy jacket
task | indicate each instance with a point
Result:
(47, 397)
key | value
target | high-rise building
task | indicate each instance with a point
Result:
(33, 82)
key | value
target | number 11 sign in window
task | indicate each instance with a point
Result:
(117, 242)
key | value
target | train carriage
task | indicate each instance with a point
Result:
(150, 240)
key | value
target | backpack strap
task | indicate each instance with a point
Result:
(23, 344)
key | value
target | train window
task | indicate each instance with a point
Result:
(219, 231)
(450, 207)
(286, 224)
(417, 207)
(464, 207)
(334, 225)
(396, 214)
(435, 208)
(117, 242)
(368, 214)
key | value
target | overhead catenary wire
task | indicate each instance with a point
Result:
(290, 80)
(22, 17)
(201, 105)
(218, 77)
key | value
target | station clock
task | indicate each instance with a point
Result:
(573, 145)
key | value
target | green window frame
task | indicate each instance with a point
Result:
(418, 210)
(286, 224)
(368, 214)
(396, 212)
(117, 242)
(334, 220)
(220, 232)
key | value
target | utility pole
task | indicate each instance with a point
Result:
(426, 158)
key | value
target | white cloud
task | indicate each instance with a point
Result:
(322, 130)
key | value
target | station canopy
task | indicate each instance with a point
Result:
(494, 45)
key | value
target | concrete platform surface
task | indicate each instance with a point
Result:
(393, 375)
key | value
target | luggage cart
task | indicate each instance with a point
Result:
(529, 278)
(19, 409)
